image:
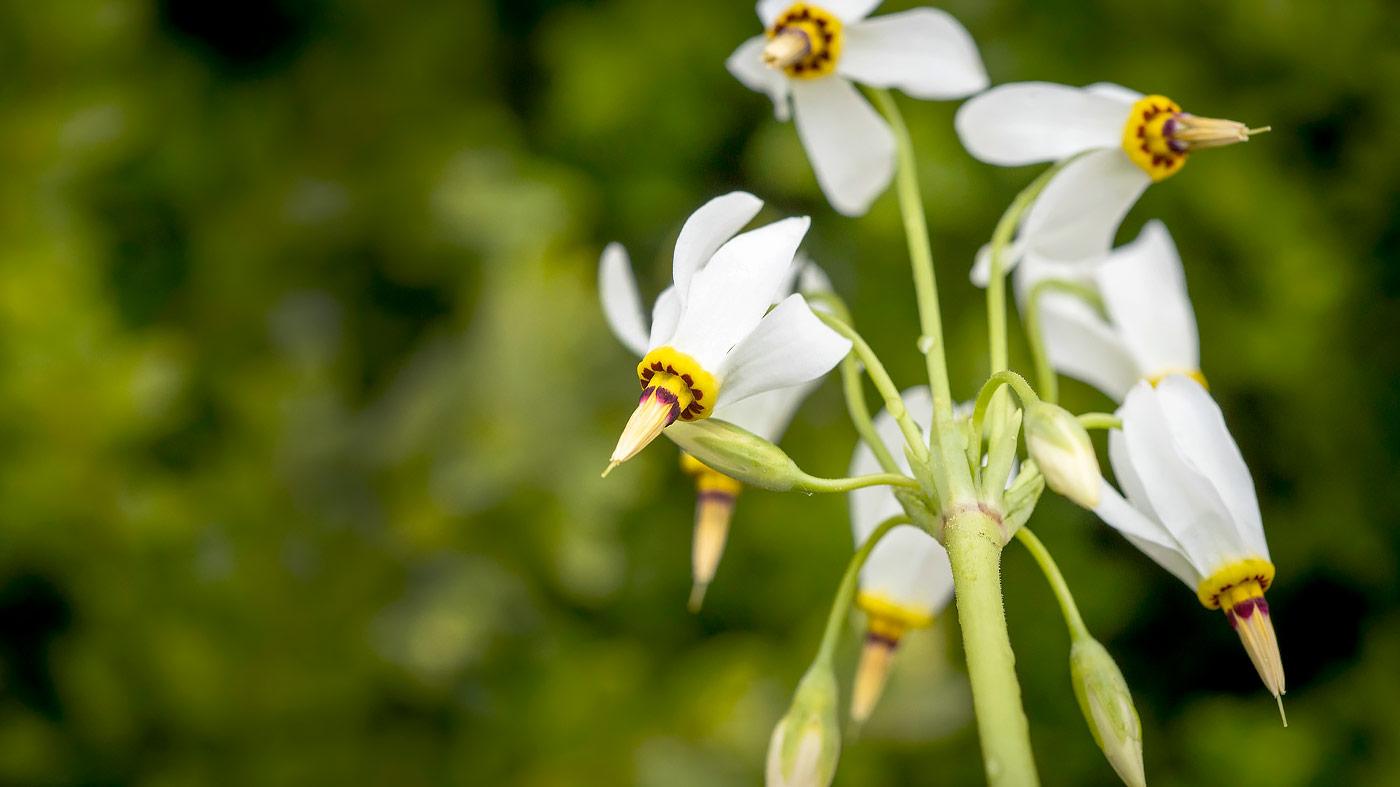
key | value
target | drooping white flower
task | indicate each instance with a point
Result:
(1147, 328)
(1127, 141)
(810, 53)
(1191, 507)
(907, 580)
(766, 414)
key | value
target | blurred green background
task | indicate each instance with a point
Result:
(304, 393)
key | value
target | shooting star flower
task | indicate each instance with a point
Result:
(1123, 142)
(1191, 507)
(809, 55)
(907, 580)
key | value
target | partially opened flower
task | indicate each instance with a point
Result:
(907, 579)
(1128, 141)
(810, 53)
(1146, 329)
(713, 340)
(1191, 507)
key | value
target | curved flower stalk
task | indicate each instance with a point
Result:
(1191, 507)
(907, 580)
(809, 55)
(1121, 142)
(713, 340)
(1146, 329)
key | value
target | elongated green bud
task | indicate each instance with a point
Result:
(807, 741)
(739, 454)
(1061, 447)
(1108, 708)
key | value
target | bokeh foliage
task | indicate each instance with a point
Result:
(304, 393)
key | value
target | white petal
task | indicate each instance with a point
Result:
(789, 347)
(812, 280)
(768, 10)
(982, 263)
(664, 315)
(851, 148)
(1145, 534)
(730, 295)
(1185, 501)
(1079, 211)
(746, 64)
(909, 568)
(1200, 431)
(1117, 92)
(848, 11)
(1080, 344)
(622, 306)
(1144, 291)
(924, 52)
(767, 414)
(707, 229)
(1025, 122)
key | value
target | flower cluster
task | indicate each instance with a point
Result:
(747, 328)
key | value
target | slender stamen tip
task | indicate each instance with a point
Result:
(614, 463)
(697, 597)
(1282, 715)
(1249, 132)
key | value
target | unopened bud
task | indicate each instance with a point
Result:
(1108, 708)
(737, 453)
(807, 741)
(1061, 447)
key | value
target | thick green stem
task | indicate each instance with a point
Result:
(1068, 609)
(954, 477)
(846, 592)
(1046, 382)
(974, 543)
(894, 404)
(814, 484)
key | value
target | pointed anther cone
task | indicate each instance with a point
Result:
(876, 658)
(713, 510)
(1248, 614)
(657, 409)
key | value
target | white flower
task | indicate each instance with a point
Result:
(907, 580)
(1147, 329)
(1127, 140)
(713, 341)
(810, 54)
(1191, 507)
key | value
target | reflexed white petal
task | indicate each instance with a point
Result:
(1126, 96)
(909, 568)
(1200, 431)
(622, 306)
(664, 315)
(768, 10)
(849, 144)
(1144, 291)
(872, 505)
(746, 64)
(1127, 475)
(1079, 211)
(1146, 534)
(707, 229)
(1185, 501)
(982, 263)
(848, 11)
(766, 414)
(729, 295)
(789, 347)
(1080, 344)
(924, 52)
(1025, 122)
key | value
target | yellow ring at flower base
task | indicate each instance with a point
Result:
(701, 387)
(1146, 139)
(824, 38)
(1195, 374)
(888, 618)
(1234, 579)
(707, 479)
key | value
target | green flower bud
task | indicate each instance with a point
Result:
(1108, 708)
(737, 453)
(807, 741)
(1061, 447)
